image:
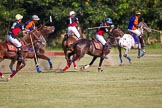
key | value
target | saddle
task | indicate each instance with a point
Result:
(97, 44)
(71, 40)
(12, 47)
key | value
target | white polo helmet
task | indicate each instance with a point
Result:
(18, 17)
(71, 13)
(138, 13)
(35, 17)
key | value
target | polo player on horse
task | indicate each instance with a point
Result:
(12, 35)
(73, 25)
(133, 26)
(99, 35)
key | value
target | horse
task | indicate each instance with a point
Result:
(127, 42)
(90, 47)
(9, 51)
(66, 44)
(38, 49)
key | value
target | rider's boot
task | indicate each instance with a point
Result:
(19, 53)
(104, 50)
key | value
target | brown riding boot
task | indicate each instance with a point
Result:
(104, 50)
(19, 53)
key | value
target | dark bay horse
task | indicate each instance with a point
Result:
(38, 49)
(9, 51)
(85, 46)
(66, 45)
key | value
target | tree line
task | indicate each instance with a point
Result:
(89, 12)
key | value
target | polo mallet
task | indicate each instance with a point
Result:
(50, 18)
(35, 56)
(98, 27)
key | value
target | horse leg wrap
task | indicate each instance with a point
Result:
(1, 75)
(13, 74)
(50, 63)
(38, 69)
(138, 52)
(66, 67)
(74, 64)
(128, 58)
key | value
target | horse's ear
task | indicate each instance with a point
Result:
(115, 26)
(43, 23)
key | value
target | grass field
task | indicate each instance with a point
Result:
(138, 85)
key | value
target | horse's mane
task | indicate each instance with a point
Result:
(116, 32)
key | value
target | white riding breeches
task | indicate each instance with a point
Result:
(136, 32)
(101, 39)
(14, 41)
(74, 30)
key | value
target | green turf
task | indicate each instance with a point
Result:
(138, 85)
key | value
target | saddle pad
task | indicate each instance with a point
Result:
(97, 44)
(11, 47)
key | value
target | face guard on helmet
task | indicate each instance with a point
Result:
(109, 20)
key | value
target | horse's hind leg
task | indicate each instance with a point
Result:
(100, 64)
(74, 63)
(90, 64)
(126, 55)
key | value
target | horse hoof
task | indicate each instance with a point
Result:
(75, 68)
(100, 70)
(82, 68)
(2, 76)
(121, 64)
(130, 62)
(8, 79)
(38, 70)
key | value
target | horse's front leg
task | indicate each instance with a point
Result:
(11, 65)
(100, 64)
(120, 55)
(18, 68)
(1, 74)
(90, 64)
(69, 61)
(141, 48)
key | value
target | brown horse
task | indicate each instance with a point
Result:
(66, 45)
(85, 46)
(38, 49)
(9, 51)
